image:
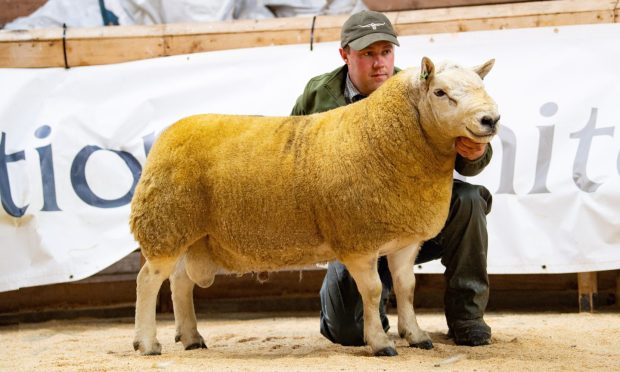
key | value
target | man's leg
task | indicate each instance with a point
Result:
(342, 310)
(463, 243)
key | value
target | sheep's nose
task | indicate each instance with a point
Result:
(489, 121)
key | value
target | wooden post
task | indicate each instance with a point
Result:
(588, 291)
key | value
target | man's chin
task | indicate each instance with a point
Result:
(377, 82)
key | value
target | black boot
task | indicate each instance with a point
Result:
(463, 245)
(474, 332)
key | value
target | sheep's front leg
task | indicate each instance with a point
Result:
(182, 288)
(152, 274)
(401, 267)
(364, 272)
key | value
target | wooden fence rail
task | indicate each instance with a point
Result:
(104, 45)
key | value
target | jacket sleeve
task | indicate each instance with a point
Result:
(321, 93)
(470, 168)
(305, 102)
(300, 105)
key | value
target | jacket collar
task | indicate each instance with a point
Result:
(335, 83)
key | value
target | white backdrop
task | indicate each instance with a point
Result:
(73, 142)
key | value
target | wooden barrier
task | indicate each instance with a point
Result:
(104, 45)
(618, 290)
(113, 295)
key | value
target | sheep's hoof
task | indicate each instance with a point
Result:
(156, 349)
(199, 344)
(426, 345)
(196, 345)
(387, 351)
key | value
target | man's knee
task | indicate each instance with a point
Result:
(342, 316)
(340, 305)
(343, 332)
(471, 198)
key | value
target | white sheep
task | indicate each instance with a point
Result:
(261, 193)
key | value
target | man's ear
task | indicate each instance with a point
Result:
(483, 69)
(344, 55)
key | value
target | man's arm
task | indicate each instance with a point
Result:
(306, 102)
(322, 93)
(472, 157)
(299, 108)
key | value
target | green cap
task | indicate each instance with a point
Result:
(365, 28)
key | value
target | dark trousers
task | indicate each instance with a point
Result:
(462, 248)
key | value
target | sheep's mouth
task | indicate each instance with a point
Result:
(481, 135)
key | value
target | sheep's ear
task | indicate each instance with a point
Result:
(427, 72)
(484, 68)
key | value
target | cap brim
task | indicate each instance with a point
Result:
(365, 41)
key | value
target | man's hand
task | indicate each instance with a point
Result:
(469, 149)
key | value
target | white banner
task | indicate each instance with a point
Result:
(74, 141)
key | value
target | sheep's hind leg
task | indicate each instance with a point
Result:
(150, 278)
(364, 272)
(182, 288)
(195, 267)
(401, 267)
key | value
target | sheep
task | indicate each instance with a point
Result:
(245, 194)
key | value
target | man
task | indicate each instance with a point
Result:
(367, 49)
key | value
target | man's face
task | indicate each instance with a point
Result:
(371, 66)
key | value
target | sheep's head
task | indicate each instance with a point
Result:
(457, 100)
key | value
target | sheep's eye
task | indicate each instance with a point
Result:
(440, 93)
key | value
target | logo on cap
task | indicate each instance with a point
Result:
(373, 25)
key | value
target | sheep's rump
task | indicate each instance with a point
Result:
(240, 182)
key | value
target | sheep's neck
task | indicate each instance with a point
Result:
(401, 134)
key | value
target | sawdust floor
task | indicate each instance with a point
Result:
(276, 342)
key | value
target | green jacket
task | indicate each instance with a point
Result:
(326, 92)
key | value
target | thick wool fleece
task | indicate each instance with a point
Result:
(268, 192)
